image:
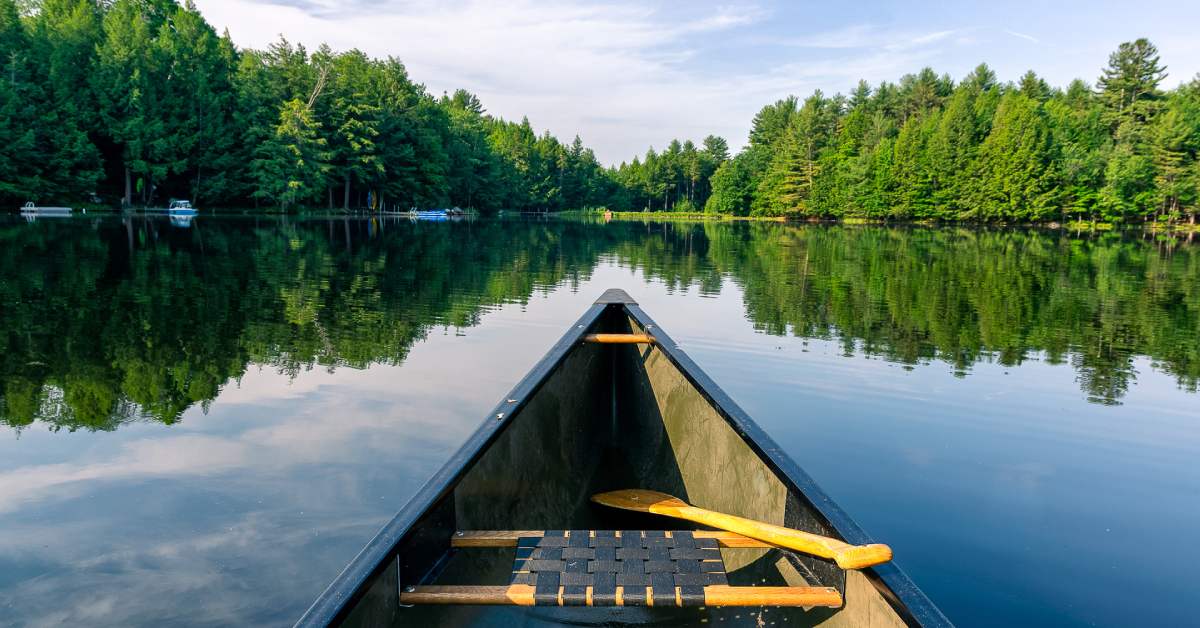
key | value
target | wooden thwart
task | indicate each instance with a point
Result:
(619, 339)
(714, 595)
(508, 538)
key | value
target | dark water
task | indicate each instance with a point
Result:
(201, 425)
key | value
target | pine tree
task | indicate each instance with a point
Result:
(771, 122)
(1082, 144)
(18, 178)
(1175, 142)
(350, 121)
(731, 188)
(1128, 183)
(473, 163)
(126, 80)
(785, 185)
(1129, 85)
(1033, 87)
(952, 150)
(63, 37)
(1014, 174)
(292, 164)
(914, 178)
(196, 104)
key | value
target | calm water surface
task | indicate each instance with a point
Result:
(201, 425)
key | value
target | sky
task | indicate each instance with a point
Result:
(625, 76)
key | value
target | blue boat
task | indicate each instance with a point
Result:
(432, 214)
(182, 208)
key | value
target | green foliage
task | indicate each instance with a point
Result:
(143, 101)
(1129, 85)
(731, 189)
(1175, 144)
(293, 162)
(45, 152)
(1014, 176)
(926, 149)
(785, 185)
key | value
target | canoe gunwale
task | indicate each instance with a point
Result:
(339, 598)
(910, 601)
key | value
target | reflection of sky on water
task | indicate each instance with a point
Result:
(282, 482)
(1005, 493)
(1009, 498)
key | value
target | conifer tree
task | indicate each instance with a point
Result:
(1014, 175)
(784, 185)
(1129, 85)
(126, 81)
(1175, 143)
(292, 164)
(731, 189)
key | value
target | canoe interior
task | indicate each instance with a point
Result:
(605, 417)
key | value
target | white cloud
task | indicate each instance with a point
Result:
(307, 437)
(921, 40)
(860, 36)
(626, 75)
(622, 76)
(568, 66)
(1022, 36)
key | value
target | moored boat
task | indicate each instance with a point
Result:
(30, 208)
(181, 208)
(509, 531)
(431, 214)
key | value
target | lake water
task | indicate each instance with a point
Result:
(202, 424)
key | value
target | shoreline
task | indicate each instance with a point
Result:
(1073, 225)
(701, 217)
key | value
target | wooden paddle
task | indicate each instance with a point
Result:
(845, 555)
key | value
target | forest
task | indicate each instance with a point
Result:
(131, 102)
(926, 148)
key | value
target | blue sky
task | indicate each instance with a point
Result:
(628, 75)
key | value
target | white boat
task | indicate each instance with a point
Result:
(182, 208)
(30, 208)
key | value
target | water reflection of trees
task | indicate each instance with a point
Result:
(124, 321)
(108, 322)
(959, 295)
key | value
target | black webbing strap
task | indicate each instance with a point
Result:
(666, 569)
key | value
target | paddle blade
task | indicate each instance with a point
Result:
(638, 500)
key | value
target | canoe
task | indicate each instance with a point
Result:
(505, 534)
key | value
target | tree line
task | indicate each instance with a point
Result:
(132, 102)
(929, 149)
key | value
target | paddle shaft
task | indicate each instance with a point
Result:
(847, 556)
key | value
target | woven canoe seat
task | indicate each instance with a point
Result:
(616, 568)
(652, 568)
